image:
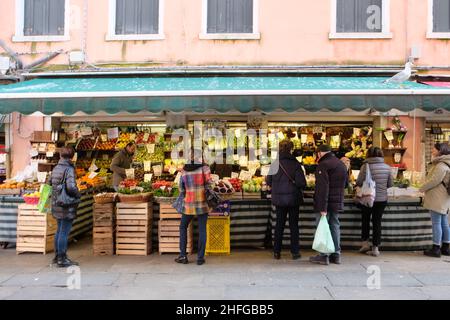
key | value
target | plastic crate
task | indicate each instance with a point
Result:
(218, 235)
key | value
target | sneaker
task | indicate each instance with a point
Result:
(182, 260)
(63, 261)
(296, 256)
(335, 258)
(200, 262)
(374, 252)
(365, 247)
(445, 250)
(323, 260)
(277, 255)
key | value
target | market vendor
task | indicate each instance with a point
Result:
(122, 161)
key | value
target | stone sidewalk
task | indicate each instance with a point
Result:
(245, 274)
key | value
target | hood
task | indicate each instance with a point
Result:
(192, 166)
(374, 160)
(445, 159)
(65, 162)
(329, 155)
(286, 156)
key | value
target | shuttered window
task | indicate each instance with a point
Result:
(359, 16)
(137, 17)
(441, 16)
(44, 17)
(230, 16)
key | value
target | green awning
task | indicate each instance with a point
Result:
(222, 94)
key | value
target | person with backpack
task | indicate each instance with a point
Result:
(437, 199)
(65, 200)
(382, 175)
(287, 180)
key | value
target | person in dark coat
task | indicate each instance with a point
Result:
(64, 215)
(122, 161)
(382, 175)
(287, 180)
(331, 180)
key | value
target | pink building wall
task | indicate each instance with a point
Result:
(292, 32)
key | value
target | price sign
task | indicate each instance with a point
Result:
(245, 175)
(42, 176)
(265, 170)
(178, 178)
(92, 175)
(234, 175)
(133, 136)
(75, 157)
(215, 177)
(49, 154)
(104, 137)
(172, 170)
(303, 138)
(86, 131)
(235, 157)
(147, 166)
(146, 135)
(148, 177)
(113, 133)
(34, 153)
(243, 161)
(129, 173)
(150, 148)
(105, 157)
(157, 170)
(356, 131)
(93, 167)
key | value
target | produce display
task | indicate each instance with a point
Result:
(253, 185)
(236, 183)
(223, 187)
(141, 135)
(85, 182)
(310, 182)
(11, 184)
(123, 140)
(86, 144)
(138, 171)
(164, 188)
(309, 161)
(103, 163)
(132, 186)
(106, 145)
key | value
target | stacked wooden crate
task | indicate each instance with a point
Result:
(169, 230)
(134, 228)
(35, 230)
(104, 229)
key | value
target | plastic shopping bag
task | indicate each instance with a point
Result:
(44, 204)
(366, 194)
(323, 242)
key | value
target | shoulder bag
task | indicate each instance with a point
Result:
(63, 199)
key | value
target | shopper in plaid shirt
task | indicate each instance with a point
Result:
(192, 184)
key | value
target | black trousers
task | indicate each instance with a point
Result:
(282, 213)
(376, 213)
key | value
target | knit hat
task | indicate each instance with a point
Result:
(324, 148)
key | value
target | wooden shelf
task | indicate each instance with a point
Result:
(43, 141)
(396, 131)
(394, 149)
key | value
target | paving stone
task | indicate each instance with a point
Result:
(6, 292)
(297, 279)
(56, 293)
(360, 279)
(285, 293)
(4, 277)
(433, 278)
(385, 293)
(142, 293)
(175, 280)
(437, 292)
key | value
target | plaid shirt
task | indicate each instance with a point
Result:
(192, 185)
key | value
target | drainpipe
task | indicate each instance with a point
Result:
(42, 60)
(12, 54)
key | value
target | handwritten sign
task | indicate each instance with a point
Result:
(245, 175)
(86, 131)
(178, 178)
(234, 175)
(265, 170)
(147, 166)
(157, 170)
(146, 135)
(42, 176)
(104, 137)
(49, 154)
(113, 133)
(243, 161)
(129, 173)
(148, 177)
(303, 138)
(150, 148)
(92, 175)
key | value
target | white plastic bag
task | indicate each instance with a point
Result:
(366, 194)
(323, 242)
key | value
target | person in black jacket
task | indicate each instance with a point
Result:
(64, 215)
(287, 180)
(331, 180)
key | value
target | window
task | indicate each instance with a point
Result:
(41, 20)
(230, 19)
(439, 19)
(364, 19)
(135, 20)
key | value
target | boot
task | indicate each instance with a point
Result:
(55, 259)
(182, 260)
(296, 256)
(365, 247)
(374, 252)
(445, 250)
(335, 258)
(63, 261)
(277, 255)
(323, 260)
(434, 252)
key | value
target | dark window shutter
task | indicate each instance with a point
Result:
(230, 16)
(44, 17)
(137, 16)
(352, 16)
(441, 16)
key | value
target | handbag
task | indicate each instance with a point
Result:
(365, 195)
(63, 199)
(212, 198)
(291, 180)
(178, 204)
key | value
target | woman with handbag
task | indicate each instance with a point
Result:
(382, 175)
(437, 199)
(65, 200)
(194, 185)
(287, 180)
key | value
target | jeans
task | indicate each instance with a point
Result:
(282, 213)
(62, 235)
(441, 231)
(335, 229)
(185, 221)
(376, 213)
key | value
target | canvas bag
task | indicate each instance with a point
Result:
(323, 241)
(366, 194)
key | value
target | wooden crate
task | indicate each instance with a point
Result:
(134, 228)
(169, 236)
(35, 230)
(103, 240)
(251, 195)
(166, 211)
(104, 215)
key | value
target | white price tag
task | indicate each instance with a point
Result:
(129, 173)
(265, 170)
(34, 153)
(86, 131)
(150, 148)
(93, 167)
(147, 166)
(92, 175)
(49, 154)
(215, 177)
(148, 177)
(42, 176)
(235, 157)
(245, 175)
(113, 133)
(178, 178)
(356, 131)
(133, 136)
(146, 135)
(75, 157)
(157, 170)
(274, 155)
(243, 161)
(234, 175)
(104, 137)
(303, 138)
